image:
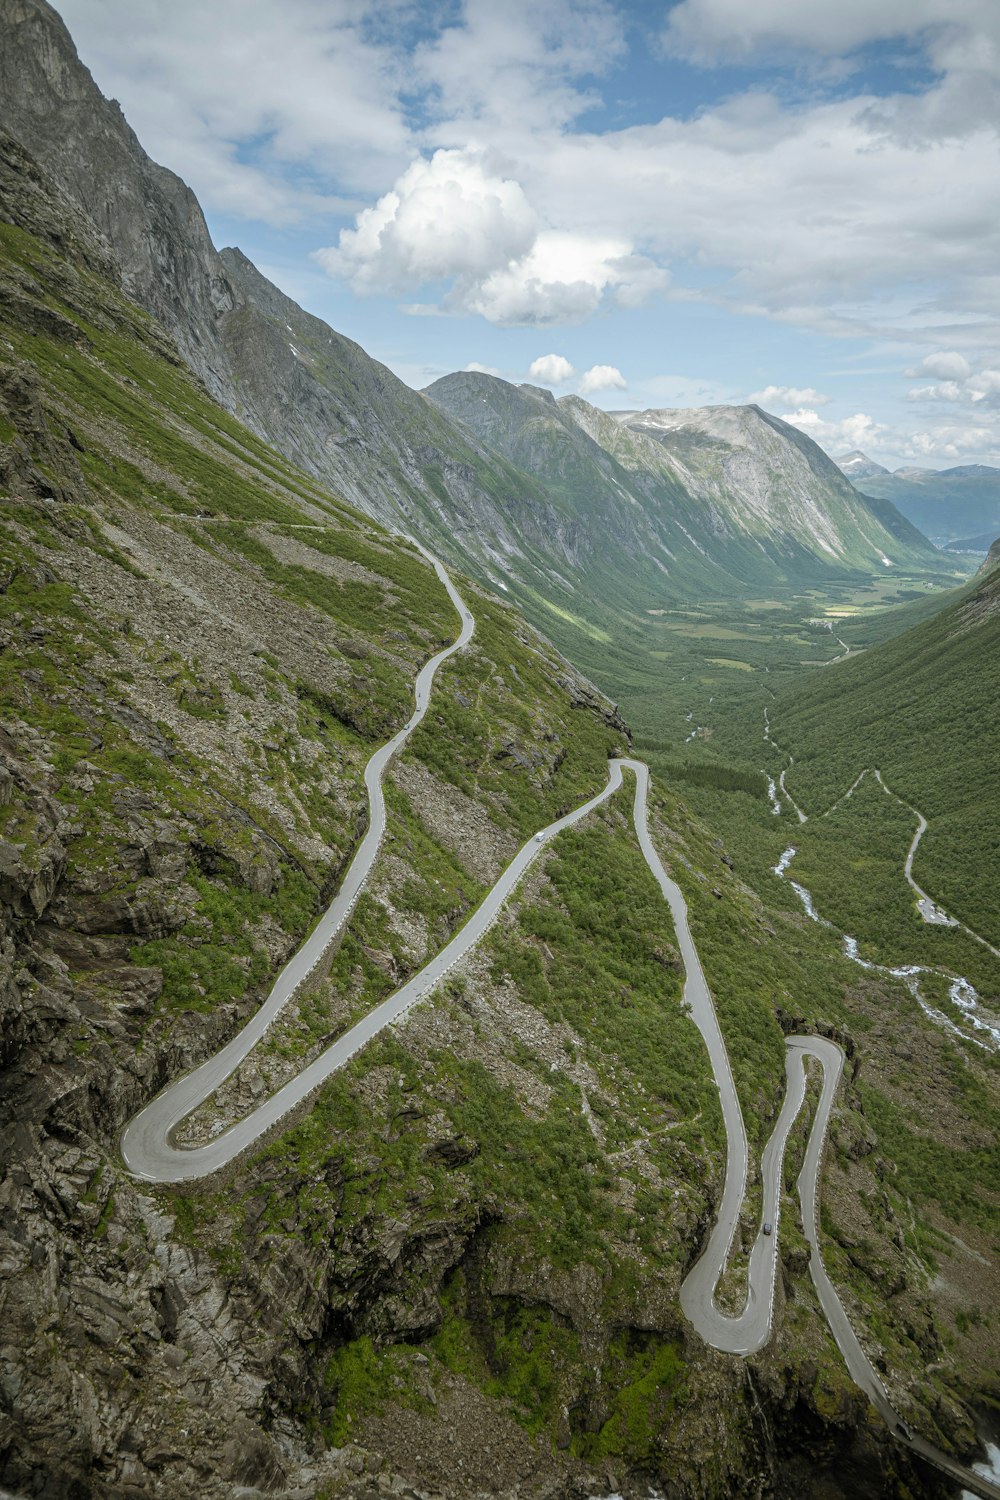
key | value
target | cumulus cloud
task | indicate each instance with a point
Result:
(451, 218)
(944, 366)
(959, 382)
(856, 431)
(475, 368)
(564, 278)
(788, 395)
(553, 369)
(446, 217)
(602, 378)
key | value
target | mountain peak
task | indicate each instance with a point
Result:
(857, 465)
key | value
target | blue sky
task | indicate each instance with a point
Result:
(652, 204)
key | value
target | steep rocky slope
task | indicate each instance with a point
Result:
(457, 1271)
(314, 394)
(765, 476)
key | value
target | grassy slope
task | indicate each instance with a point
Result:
(923, 709)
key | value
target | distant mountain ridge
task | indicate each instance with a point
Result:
(731, 485)
(947, 505)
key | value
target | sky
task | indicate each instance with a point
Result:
(792, 202)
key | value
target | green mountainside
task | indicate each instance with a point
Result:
(923, 708)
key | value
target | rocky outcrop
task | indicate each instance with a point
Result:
(991, 560)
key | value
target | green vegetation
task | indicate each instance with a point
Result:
(923, 709)
(502, 730)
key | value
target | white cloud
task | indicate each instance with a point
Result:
(966, 385)
(951, 442)
(564, 278)
(948, 390)
(446, 217)
(728, 30)
(944, 366)
(857, 431)
(453, 219)
(788, 395)
(938, 445)
(553, 369)
(602, 378)
(520, 61)
(984, 386)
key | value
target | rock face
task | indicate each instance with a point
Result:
(314, 394)
(692, 494)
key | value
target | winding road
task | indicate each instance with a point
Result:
(149, 1152)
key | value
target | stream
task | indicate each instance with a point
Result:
(961, 992)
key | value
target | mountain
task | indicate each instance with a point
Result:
(971, 471)
(857, 465)
(973, 545)
(728, 490)
(947, 504)
(659, 508)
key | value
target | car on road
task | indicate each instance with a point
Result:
(768, 1228)
(539, 838)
